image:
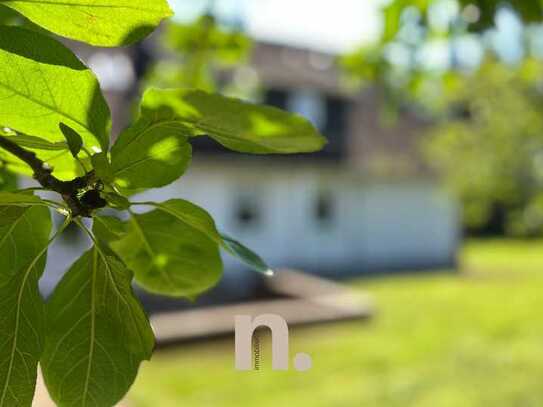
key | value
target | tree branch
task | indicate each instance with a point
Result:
(44, 175)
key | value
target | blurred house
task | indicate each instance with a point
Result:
(365, 204)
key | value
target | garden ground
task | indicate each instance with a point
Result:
(471, 338)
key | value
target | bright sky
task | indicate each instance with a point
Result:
(331, 26)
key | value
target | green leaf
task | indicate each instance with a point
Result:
(7, 16)
(23, 242)
(63, 164)
(191, 215)
(43, 83)
(56, 154)
(105, 23)
(97, 333)
(37, 143)
(246, 255)
(170, 249)
(11, 214)
(150, 154)
(74, 140)
(8, 180)
(116, 201)
(235, 124)
(16, 248)
(109, 228)
(102, 166)
(19, 199)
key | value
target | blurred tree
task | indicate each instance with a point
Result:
(489, 146)
(423, 40)
(201, 50)
(443, 58)
(477, 14)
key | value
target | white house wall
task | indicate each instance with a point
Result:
(405, 225)
(376, 226)
(373, 225)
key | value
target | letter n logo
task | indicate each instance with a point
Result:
(244, 330)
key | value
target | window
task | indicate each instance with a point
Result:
(247, 211)
(324, 208)
(328, 112)
(310, 104)
(336, 124)
(277, 98)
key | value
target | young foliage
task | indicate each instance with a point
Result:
(245, 254)
(237, 125)
(92, 334)
(43, 84)
(201, 48)
(108, 23)
(73, 139)
(150, 154)
(168, 254)
(24, 232)
(98, 333)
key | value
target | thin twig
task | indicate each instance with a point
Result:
(44, 175)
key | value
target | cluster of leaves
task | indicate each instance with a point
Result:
(484, 116)
(92, 334)
(200, 49)
(530, 11)
(494, 128)
(396, 61)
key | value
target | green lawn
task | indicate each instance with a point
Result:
(438, 340)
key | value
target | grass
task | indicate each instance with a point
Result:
(444, 339)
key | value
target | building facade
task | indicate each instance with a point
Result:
(365, 204)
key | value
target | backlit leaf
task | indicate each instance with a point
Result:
(42, 83)
(32, 142)
(19, 199)
(192, 215)
(74, 140)
(24, 236)
(57, 155)
(102, 166)
(97, 333)
(246, 255)
(116, 201)
(150, 154)
(235, 124)
(104, 23)
(171, 253)
(8, 180)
